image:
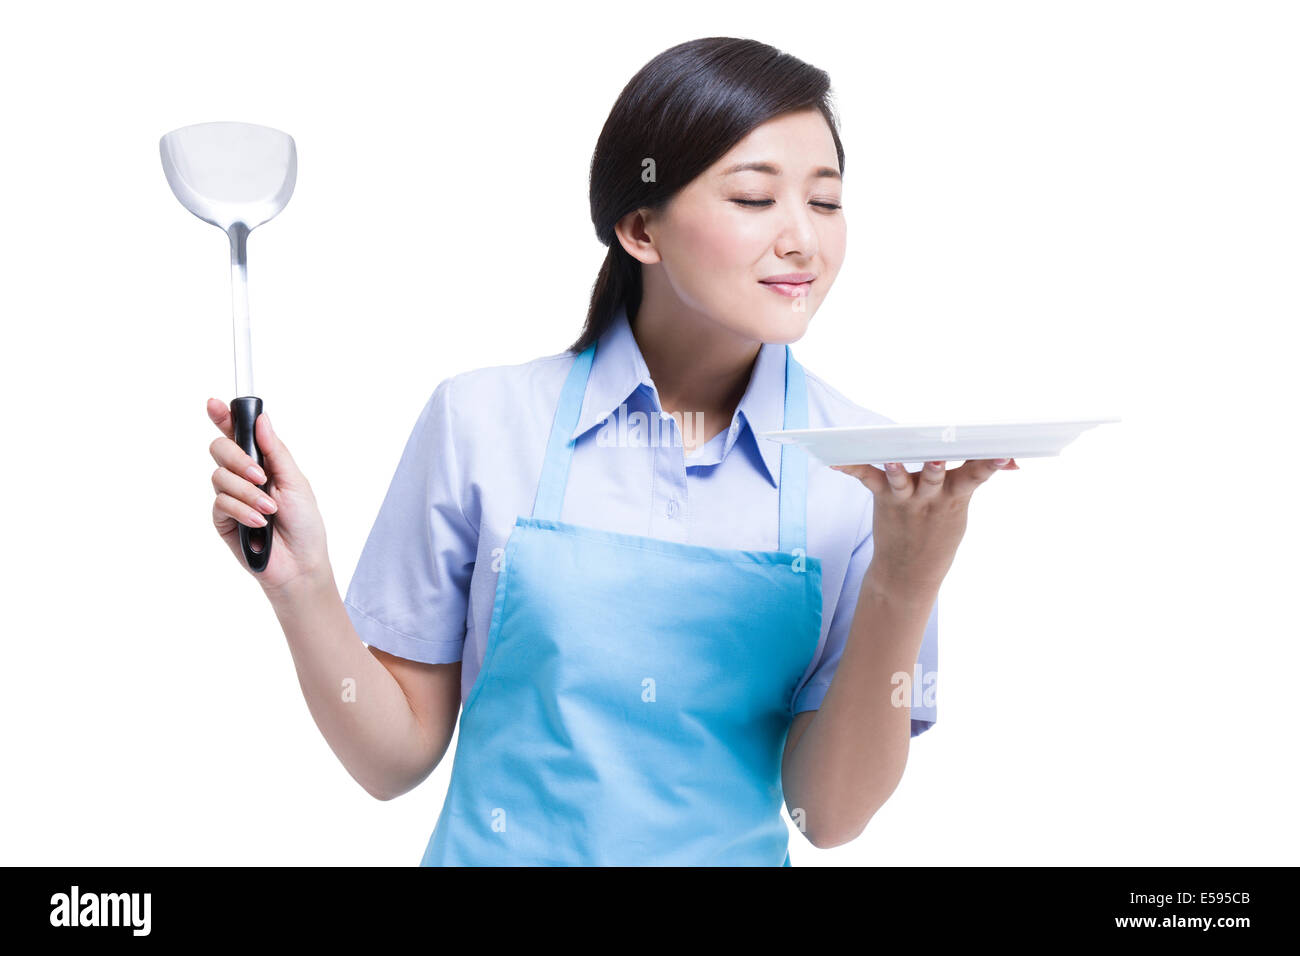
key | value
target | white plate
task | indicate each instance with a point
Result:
(877, 444)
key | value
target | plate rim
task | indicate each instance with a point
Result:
(898, 426)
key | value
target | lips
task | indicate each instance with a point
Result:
(792, 285)
(791, 290)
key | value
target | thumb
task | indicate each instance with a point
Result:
(280, 465)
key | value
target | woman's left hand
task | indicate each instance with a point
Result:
(919, 520)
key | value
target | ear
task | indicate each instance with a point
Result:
(631, 233)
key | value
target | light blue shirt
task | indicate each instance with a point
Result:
(425, 584)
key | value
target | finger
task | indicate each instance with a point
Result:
(220, 415)
(223, 480)
(968, 477)
(223, 522)
(900, 481)
(869, 475)
(241, 512)
(279, 463)
(930, 482)
(229, 455)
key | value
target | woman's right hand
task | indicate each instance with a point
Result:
(298, 548)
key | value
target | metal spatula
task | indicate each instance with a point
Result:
(235, 176)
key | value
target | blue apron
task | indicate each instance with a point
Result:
(636, 693)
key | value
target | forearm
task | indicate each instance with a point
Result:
(359, 707)
(852, 754)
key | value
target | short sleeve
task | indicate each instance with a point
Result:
(925, 672)
(410, 591)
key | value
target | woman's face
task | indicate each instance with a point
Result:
(713, 245)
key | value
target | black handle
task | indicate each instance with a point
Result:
(245, 411)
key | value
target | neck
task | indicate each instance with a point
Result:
(697, 365)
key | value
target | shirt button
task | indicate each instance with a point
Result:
(672, 507)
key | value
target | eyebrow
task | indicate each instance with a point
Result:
(773, 170)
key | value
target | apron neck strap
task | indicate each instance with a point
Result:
(793, 481)
(794, 459)
(559, 447)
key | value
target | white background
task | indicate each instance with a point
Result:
(1055, 209)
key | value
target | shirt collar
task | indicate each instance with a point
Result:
(619, 369)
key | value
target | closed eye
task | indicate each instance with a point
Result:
(769, 202)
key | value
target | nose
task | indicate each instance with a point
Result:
(798, 236)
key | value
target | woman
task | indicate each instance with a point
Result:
(661, 625)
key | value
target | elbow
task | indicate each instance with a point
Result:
(393, 786)
(392, 789)
(828, 830)
(384, 790)
(379, 793)
(825, 829)
(830, 837)
(853, 809)
(838, 829)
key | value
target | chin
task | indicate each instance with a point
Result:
(767, 321)
(786, 326)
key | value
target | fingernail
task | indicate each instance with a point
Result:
(1001, 461)
(892, 465)
(256, 474)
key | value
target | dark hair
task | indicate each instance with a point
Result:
(684, 109)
